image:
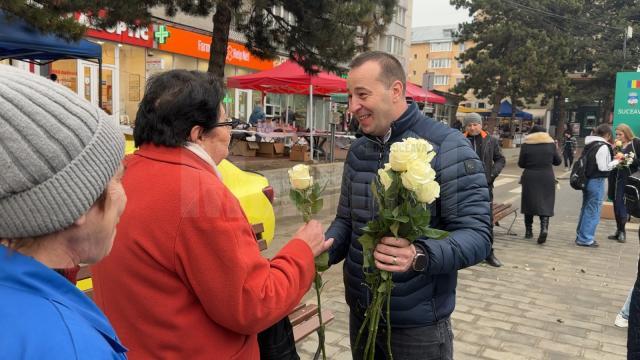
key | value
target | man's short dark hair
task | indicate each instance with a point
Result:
(602, 130)
(53, 77)
(390, 68)
(174, 102)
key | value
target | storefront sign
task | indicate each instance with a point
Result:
(197, 45)
(626, 108)
(120, 33)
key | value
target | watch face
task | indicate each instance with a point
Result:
(419, 262)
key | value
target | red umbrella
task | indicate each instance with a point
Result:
(290, 78)
(419, 94)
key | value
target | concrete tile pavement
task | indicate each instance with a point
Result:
(556, 301)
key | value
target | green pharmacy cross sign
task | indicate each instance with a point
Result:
(626, 108)
(161, 34)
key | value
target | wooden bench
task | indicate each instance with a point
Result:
(304, 318)
(500, 211)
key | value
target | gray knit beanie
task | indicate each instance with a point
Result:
(472, 118)
(57, 154)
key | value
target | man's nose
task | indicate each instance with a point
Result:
(354, 105)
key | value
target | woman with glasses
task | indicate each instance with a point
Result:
(186, 279)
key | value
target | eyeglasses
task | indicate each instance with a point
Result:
(231, 123)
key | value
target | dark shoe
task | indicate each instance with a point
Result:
(614, 236)
(593, 244)
(622, 237)
(493, 260)
(544, 229)
(528, 226)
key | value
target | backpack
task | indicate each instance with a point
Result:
(632, 194)
(578, 178)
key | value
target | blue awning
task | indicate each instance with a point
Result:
(505, 111)
(18, 40)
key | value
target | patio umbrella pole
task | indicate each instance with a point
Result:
(310, 117)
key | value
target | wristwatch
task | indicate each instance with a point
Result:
(420, 260)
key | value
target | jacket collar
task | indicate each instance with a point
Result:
(538, 138)
(174, 155)
(482, 133)
(401, 124)
(29, 275)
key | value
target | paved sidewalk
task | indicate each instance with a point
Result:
(556, 301)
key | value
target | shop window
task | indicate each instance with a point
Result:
(132, 79)
(184, 62)
(67, 72)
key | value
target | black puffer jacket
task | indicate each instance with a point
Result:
(418, 299)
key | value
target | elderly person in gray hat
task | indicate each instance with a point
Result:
(60, 200)
(488, 150)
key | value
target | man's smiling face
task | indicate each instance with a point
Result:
(374, 103)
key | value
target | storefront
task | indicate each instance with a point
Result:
(123, 70)
(182, 49)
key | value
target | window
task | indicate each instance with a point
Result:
(399, 15)
(459, 80)
(460, 65)
(395, 45)
(441, 80)
(414, 73)
(462, 47)
(415, 56)
(441, 46)
(440, 63)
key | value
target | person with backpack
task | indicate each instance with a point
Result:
(618, 178)
(598, 162)
(568, 148)
(537, 156)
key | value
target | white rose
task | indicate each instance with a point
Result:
(418, 173)
(427, 193)
(618, 143)
(385, 179)
(421, 147)
(300, 178)
(401, 155)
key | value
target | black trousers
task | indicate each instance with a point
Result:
(633, 334)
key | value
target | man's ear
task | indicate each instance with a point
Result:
(398, 90)
(195, 134)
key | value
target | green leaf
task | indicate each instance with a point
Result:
(435, 234)
(395, 211)
(402, 219)
(394, 228)
(367, 241)
(317, 206)
(322, 262)
(383, 288)
(384, 275)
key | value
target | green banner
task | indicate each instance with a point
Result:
(626, 108)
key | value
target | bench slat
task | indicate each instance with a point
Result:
(303, 314)
(310, 326)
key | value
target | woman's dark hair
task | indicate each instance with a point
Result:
(602, 130)
(537, 129)
(174, 102)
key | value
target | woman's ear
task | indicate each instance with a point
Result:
(195, 134)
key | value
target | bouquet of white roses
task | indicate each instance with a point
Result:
(625, 160)
(306, 195)
(403, 189)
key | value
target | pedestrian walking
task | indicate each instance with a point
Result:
(598, 163)
(626, 143)
(538, 155)
(488, 149)
(568, 148)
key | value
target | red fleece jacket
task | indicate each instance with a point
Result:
(185, 279)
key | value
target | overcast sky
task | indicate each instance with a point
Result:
(436, 12)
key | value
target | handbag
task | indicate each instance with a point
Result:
(277, 342)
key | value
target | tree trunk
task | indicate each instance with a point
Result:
(220, 38)
(557, 114)
(491, 123)
(607, 108)
(562, 115)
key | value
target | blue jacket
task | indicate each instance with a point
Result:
(43, 316)
(418, 299)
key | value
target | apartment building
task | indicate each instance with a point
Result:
(397, 38)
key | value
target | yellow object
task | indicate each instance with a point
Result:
(464, 109)
(85, 284)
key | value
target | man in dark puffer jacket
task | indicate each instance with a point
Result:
(425, 273)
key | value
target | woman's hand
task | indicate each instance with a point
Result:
(619, 156)
(313, 234)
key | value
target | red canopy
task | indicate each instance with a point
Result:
(289, 78)
(419, 94)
